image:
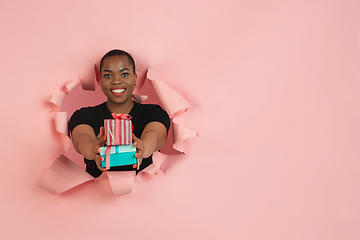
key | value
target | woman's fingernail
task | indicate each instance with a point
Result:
(104, 137)
(134, 166)
(101, 158)
(136, 144)
(136, 155)
(98, 150)
(105, 170)
(133, 135)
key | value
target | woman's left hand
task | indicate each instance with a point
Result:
(139, 149)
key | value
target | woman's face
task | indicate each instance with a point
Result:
(117, 79)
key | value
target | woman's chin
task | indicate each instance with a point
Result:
(120, 100)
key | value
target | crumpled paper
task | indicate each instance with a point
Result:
(64, 174)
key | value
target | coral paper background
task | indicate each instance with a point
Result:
(274, 87)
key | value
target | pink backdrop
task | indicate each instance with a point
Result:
(274, 87)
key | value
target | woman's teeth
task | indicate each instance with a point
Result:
(118, 90)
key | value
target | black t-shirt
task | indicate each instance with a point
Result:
(141, 114)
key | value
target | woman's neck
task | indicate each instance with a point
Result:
(120, 108)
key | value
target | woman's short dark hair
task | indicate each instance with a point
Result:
(117, 52)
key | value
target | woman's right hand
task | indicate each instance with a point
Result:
(99, 142)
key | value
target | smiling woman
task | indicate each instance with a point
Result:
(118, 80)
(150, 122)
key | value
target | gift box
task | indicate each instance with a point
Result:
(118, 131)
(120, 155)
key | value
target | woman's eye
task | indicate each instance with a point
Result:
(107, 75)
(124, 74)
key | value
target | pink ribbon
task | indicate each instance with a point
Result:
(121, 116)
(108, 157)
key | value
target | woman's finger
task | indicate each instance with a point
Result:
(139, 159)
(101, 133)
(137, 145)
(99, 142)
(134, 138)
(98, 160)
(139, 150)
(101, 137)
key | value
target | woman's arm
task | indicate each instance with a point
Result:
(152, 139)
(87, 144)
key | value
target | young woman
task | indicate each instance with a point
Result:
(150, 122)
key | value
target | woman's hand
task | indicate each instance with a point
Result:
(140, 148)
(99, 142)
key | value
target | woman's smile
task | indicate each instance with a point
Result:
(118, 91)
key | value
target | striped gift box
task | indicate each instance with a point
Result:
(118, 131)
(118, 156)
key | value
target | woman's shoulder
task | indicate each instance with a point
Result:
(92, 116)
(147, 107)
(90, 112)
(95, 108)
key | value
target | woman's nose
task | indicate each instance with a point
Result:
(116, 79)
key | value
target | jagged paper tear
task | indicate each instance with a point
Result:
(174, 104)
(57, 100)
(70, 86)
(64, 174)
(121, 181)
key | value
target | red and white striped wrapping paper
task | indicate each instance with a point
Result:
(118, 131)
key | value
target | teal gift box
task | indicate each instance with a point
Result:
(120, 155)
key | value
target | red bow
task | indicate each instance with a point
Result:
(121, 116)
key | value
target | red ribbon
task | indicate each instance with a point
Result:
(121, 116)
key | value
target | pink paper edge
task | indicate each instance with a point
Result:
(63, 175)
(48, 182)
(57, 99)
(121, 182)
(181, 133)
(71, 85)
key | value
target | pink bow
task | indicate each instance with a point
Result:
(120, 116)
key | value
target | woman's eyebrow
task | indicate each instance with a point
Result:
(121, 69)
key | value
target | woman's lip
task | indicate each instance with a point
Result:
(117, 91)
